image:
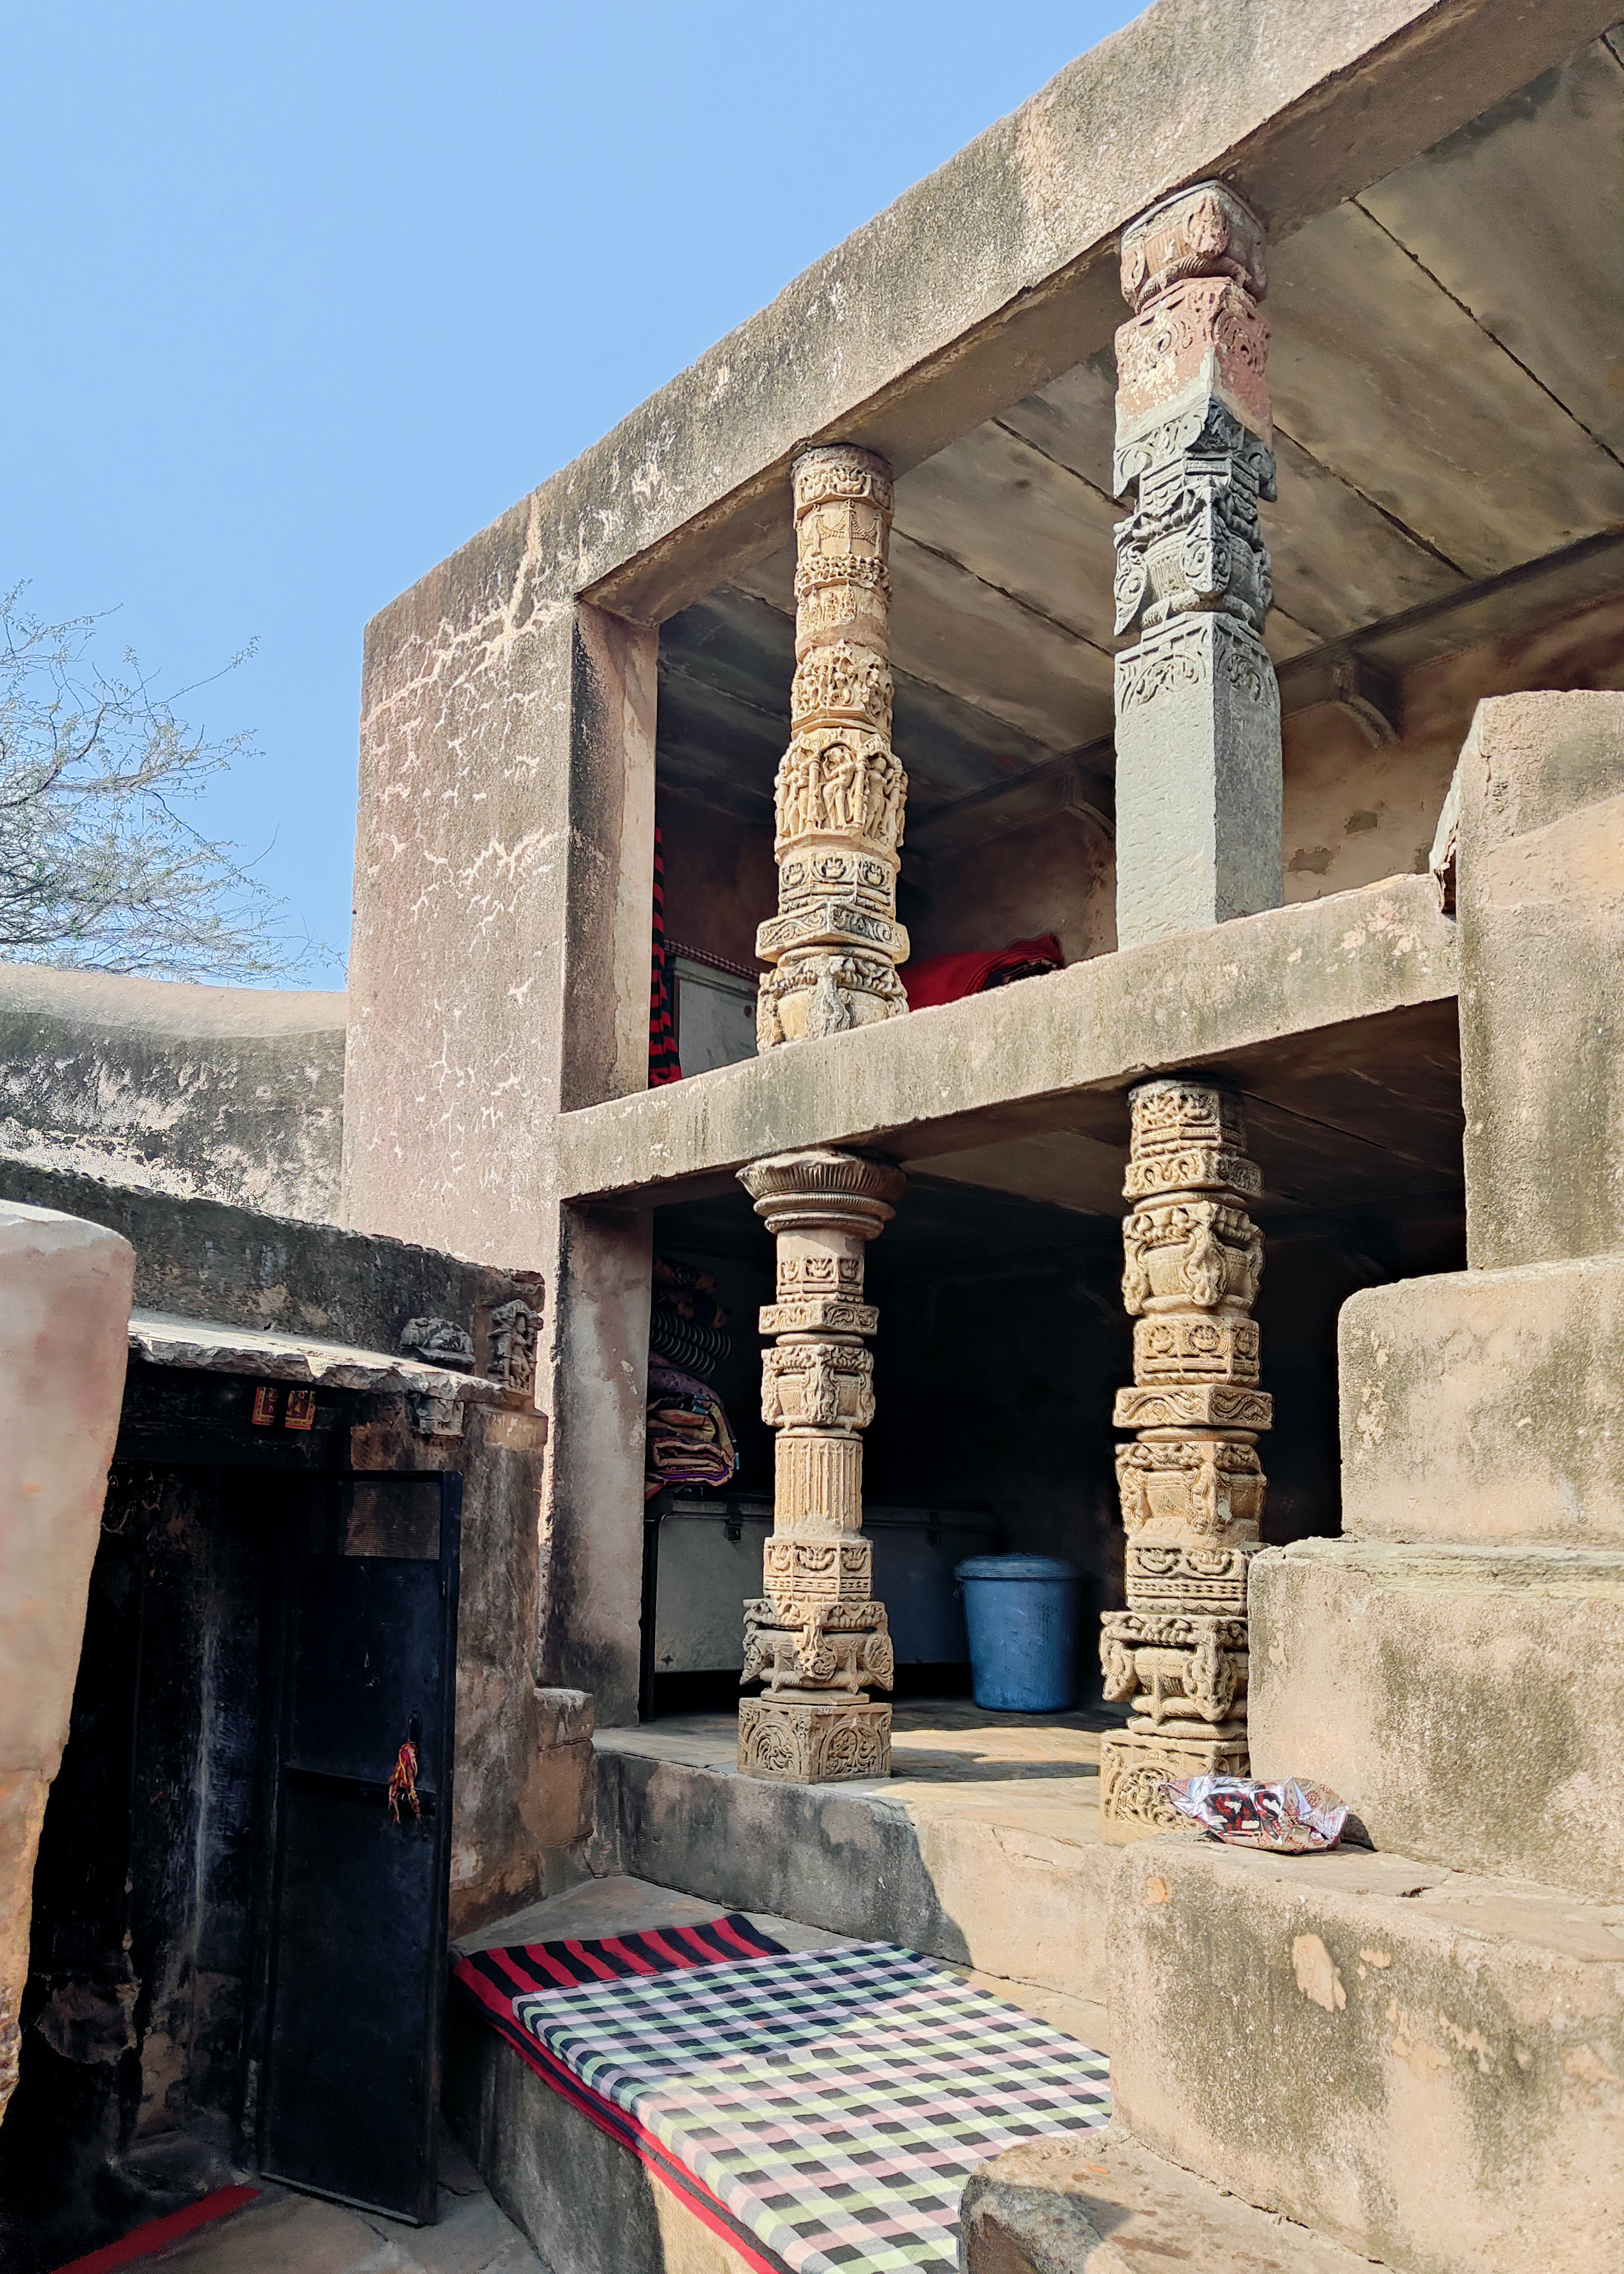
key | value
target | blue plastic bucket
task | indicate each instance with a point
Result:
(1021, 1613)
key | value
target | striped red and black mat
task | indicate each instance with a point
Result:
(495, 1978)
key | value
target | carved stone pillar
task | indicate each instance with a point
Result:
(817, 1637)
(1198, 708)
(835, 943)
(1190, 1483)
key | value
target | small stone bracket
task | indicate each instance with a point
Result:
(1370, 696)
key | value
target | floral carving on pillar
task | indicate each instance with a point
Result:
(817, 1638)
(835, 944)
(1190, 1483)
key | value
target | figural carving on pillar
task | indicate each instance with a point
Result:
(1190, 1483)
(817, 1637)
(1198, 708)
(835, 943)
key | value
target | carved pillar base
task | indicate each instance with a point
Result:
(1135, 1765)
(813, 1739)
(1199, 781)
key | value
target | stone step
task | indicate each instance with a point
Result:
(1467, 1701)
(1486, 1405)
(983, 1848)
(1425, 2065)
(1102, 2203)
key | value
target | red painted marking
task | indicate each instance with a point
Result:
(157, 2233)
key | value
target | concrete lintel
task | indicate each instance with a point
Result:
(207, 1346)
(1184, 1001)
(998, 271)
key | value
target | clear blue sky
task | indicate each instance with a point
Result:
(301, 296)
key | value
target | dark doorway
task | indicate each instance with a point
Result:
(232, 1523)
(358, 1940)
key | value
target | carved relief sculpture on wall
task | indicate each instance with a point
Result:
(837, 803)
(1190, 1482)
(817, 1638)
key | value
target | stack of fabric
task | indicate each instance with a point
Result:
(689, 1441)
(686, 1327)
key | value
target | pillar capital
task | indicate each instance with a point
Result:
(821, 1190)
(1208, 230)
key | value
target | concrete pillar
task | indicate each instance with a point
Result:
(1190, 1482)
(818, 1636)
(835, 943)
(1197, 710)
(65, 1318)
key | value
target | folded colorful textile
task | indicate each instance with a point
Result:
(945, 978)
(820, 2109)
(694, 1346)
(1290, 1818)
(689, 1441)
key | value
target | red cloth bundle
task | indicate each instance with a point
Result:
(945, 978)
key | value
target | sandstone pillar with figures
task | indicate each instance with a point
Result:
(1191, 1485)
(1198, 708)
(835, 944)
(817, 1637)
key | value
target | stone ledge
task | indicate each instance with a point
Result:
(1486, 1405)
(1100, 1024)
(1008, 1878)
(1100, 2202)
(1427, 2066)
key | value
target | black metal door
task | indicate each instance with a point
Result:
(357, 1942)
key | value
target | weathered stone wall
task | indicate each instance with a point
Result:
(720, 882)
(224, 1093)
(1057, 875)
(1354, 814)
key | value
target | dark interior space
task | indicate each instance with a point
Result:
(1003, 1338)
(165, 1870)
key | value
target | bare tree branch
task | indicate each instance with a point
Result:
(98, 868)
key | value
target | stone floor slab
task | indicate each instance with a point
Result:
(289, 2233)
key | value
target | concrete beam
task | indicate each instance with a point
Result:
(1182, 1002)
(998, 271)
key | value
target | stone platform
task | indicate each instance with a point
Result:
(1425, 2065)
(982, 1847)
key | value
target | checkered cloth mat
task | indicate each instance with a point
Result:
(821, 2109)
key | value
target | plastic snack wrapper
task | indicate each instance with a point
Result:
(1290, 1818)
